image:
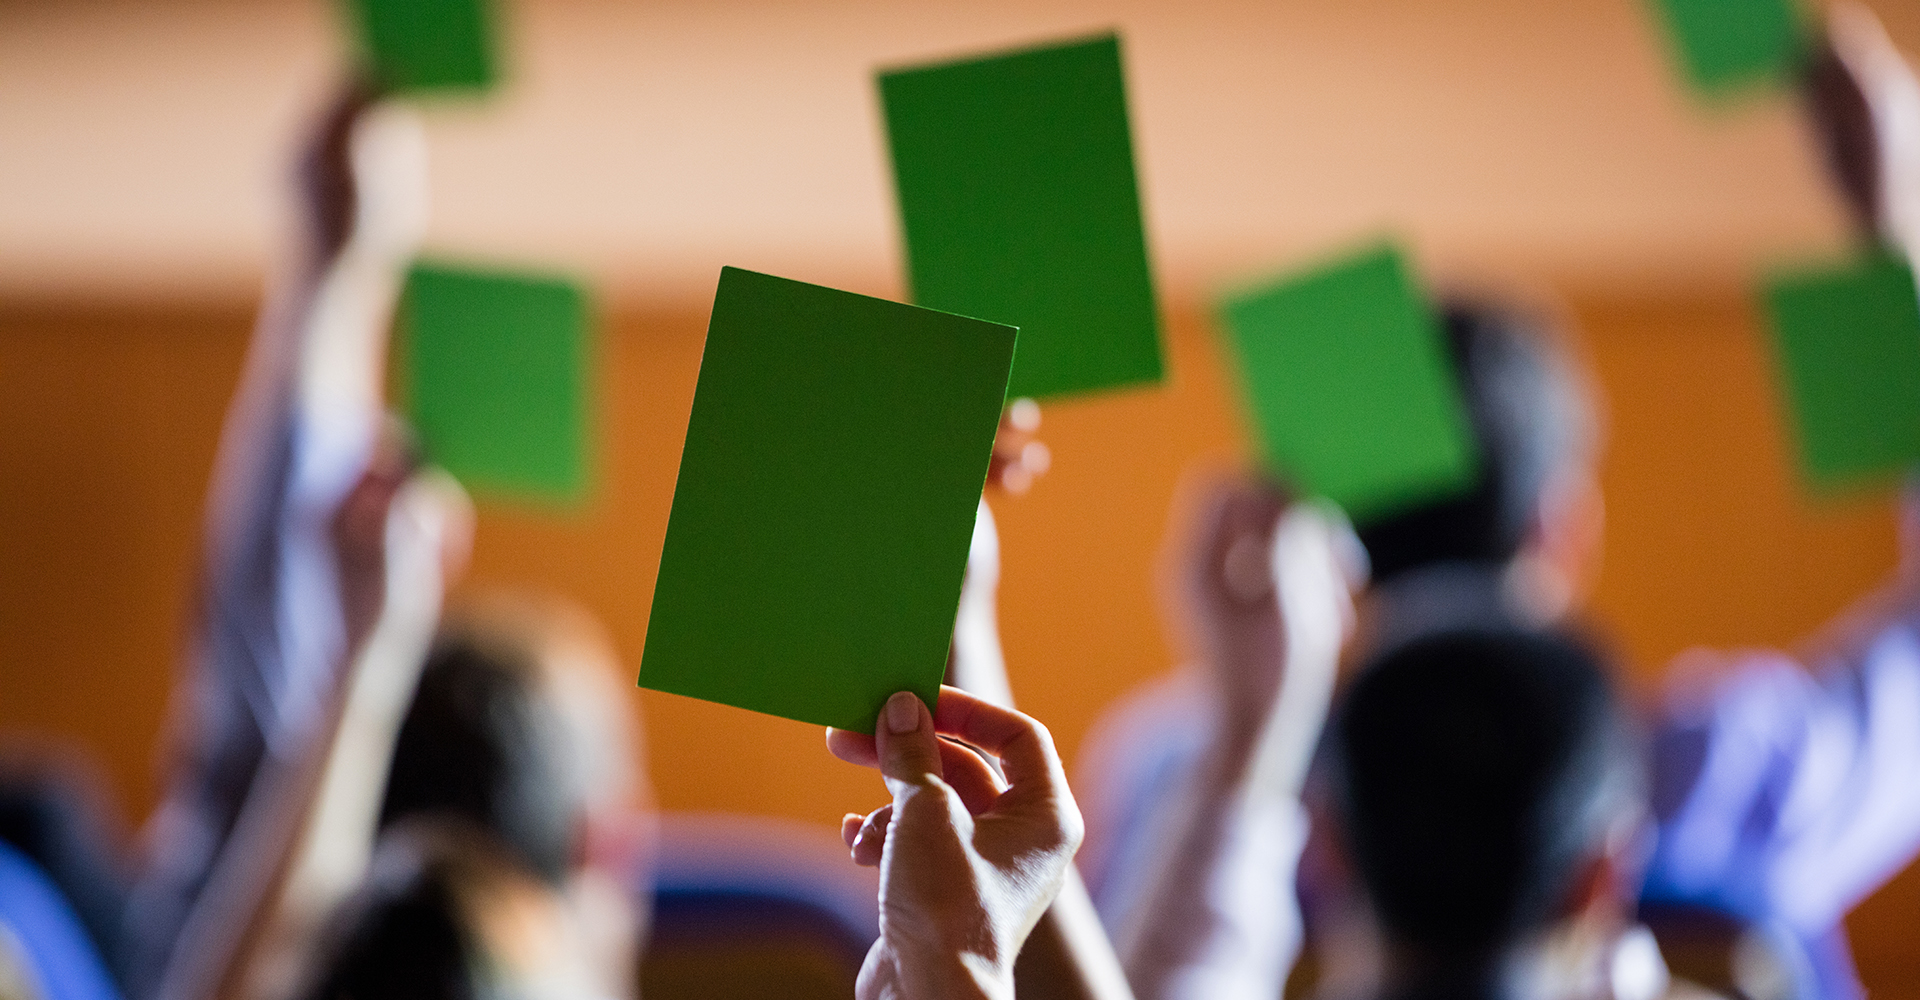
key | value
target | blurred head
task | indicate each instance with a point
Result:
(447, 913)
(522, 727)
(1534, 505)
(1488, 790)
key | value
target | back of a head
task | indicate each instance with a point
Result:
(447, 913)
(401, 940)
(516, 727)
(1529, 416)
(1475, 770)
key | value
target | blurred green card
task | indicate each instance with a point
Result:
(1350, 387)
(833, 462)
(416, 45)
(496, 369)
(1018, 201)
(1724, 44)
(1848, 344)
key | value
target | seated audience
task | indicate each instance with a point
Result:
(1512, 553)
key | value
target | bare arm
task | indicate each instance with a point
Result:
(1218, 919)
(296, 567)
(1068, 955)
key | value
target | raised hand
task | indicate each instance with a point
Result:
(1019, 457)
(1865, 103)
(968, 862)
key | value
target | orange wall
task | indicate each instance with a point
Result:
(107, 426)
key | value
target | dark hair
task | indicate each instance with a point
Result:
(405, 943)
(482, 741)
(413, 931)
(1472, 771)
(1527, 416)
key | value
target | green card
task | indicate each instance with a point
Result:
(1018, 202)
(1724, 44)
(1848, 344)
(419, 45)
(834, 458)
(1350, 386)
(496, 367)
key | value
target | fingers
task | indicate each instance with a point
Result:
(854, 748)
(1864, 96)
(909, 749)
(1025, 748)
(866, 836)
(1845, 127)
(1018, 459)
(1231, 553)
(972, 778)
(326, 174)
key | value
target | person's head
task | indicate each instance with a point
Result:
(448, 913)
(1488, 791)
(1533, 506)
(520, 726)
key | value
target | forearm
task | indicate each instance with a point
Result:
(1221, 919)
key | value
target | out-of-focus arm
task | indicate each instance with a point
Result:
(1784, 788)
(285, 603)
(1067, 955)
(1218, 918)
(428, 521)
(1787, 793)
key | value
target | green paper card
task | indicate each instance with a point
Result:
(1350, 387)
(496, 367)
(1848, 344)
(1725, 44)
(1018, 202)
(834, 459)
(424, 45)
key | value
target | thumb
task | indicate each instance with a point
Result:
(909, 750)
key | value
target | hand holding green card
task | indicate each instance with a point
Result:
(422, 45)
(496, 366)
(1848, 343)
(1724, 44)
(833, 462)
(1018, 202)
(1349, 385)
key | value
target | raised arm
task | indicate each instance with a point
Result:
(1865, 104)
(1068, 956)
(1785, 786)
(970, 854)
(1271, 605)
(288, 591)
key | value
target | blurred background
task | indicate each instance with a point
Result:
(1540, 150)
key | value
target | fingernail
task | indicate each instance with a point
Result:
(903, 713)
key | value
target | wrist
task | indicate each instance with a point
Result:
(955, 975)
